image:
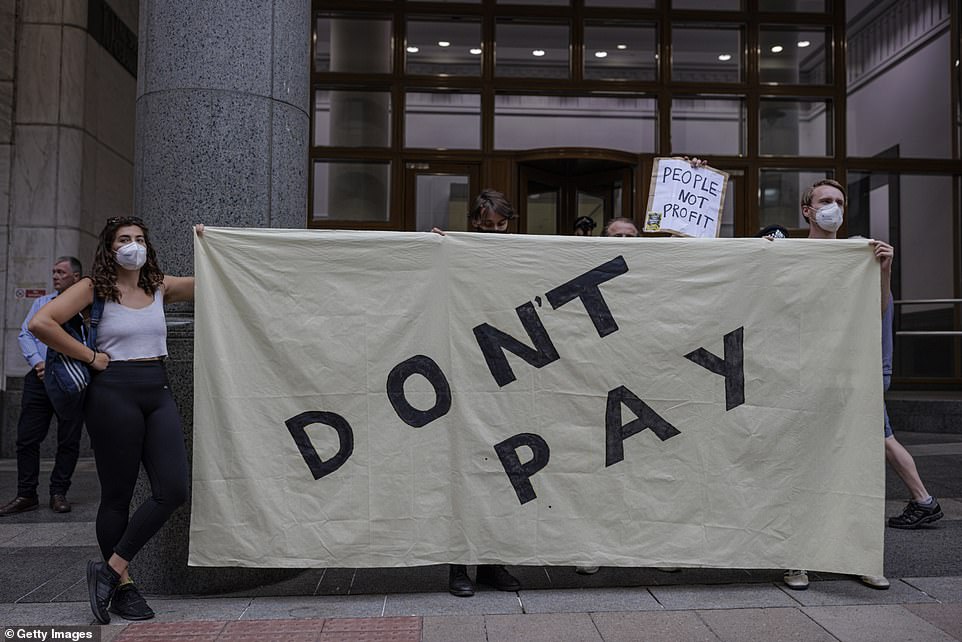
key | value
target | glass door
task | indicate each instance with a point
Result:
(438, 195)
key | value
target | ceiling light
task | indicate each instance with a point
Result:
(475, 51)
(413, 50)
(601, 54)
(444, 43)
(622, 47)
(804, 43)
(724, 57)
(777, 49)
(538, 52)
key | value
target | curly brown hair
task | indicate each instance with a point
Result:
(105, 265)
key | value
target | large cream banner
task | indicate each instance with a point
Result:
(396, 399)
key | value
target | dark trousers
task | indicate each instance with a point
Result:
(36, 412)
(132, 419)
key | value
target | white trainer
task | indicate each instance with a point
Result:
(875, 581)
(586, 570)
(796, 579)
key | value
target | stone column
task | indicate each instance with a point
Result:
(222, 139)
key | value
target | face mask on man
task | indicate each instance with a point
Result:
(829, 217)
(131, 256)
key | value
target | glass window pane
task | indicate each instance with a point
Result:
(780, 196)
(529, 122)
(450, 46)
(352, 118)
(353, 44)
(735, 178)
(707, 125)
(635, 4)
(442, 202)
(913, 213)
(532, 50)
(794, 56)
(899, 101)
(620, 52)
(542, 208)
(442, 120)
(351, 191)
(708, 5)
(706, 54)
(795, 127)
(800, 6)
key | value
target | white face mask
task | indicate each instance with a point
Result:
(131, 256)
(829, 217)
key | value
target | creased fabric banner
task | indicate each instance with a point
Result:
(378, 399)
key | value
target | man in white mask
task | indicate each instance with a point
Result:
(823, 206)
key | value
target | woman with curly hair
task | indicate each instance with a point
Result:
(129, 409)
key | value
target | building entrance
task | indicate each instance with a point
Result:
(553, 192)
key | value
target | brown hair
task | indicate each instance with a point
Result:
(493, 200)
(105, 265)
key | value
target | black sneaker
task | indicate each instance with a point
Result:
(496, 576)
(915, 515)
(129, 604)
(101, 583)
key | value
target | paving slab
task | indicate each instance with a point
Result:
(24, 570)
(588, 601)
(570, 627)
(764, 625)
(482, 603)
(464, 628)
(932, 551)
(305, 583)
(171, 630)
(721, 597)
(272, 608)
(415, 579)
(947, 617)
(54, 534)
(335, 581)
(943, 589)
(653, 626)
(198, 609)
(849, 590)
(11, 531)
(76, 613)
(876, 623)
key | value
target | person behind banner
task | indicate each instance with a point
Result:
(491, 212)
(823, 207)
(36, 411)
(129, 410)
(584, 225)
(620, 227)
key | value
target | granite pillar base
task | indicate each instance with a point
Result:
(161, 566)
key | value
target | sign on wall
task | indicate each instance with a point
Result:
(685, 200)
(397, 399)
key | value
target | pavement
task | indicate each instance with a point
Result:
(42, 589)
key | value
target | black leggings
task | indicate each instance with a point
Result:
(131, 417)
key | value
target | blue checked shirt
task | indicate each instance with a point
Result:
(33, 351)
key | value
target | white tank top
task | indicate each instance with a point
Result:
(128, 333)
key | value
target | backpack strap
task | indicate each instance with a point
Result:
(96, 311)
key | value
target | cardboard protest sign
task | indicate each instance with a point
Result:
(397, 399)
(684, 200)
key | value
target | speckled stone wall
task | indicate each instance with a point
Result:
(222, 118)
(222, 139)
